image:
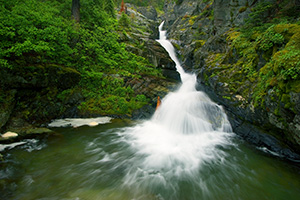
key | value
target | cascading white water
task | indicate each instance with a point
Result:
(187, 110)
(185, 132)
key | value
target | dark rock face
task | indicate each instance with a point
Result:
(148, 12)
(144, 43)
(39, 76)
(198, 30)
(6, 107)
(31, 95)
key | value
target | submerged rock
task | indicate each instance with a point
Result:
(37, 131)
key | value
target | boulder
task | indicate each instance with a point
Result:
(9, 135)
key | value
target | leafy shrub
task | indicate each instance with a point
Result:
(42, 32)
(31, 31)
(124, 21)
(269, 38)
(259, 14)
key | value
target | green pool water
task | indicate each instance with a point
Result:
(107, 162)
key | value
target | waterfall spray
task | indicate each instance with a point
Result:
(182, 135)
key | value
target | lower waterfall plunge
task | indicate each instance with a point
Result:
(187, 131)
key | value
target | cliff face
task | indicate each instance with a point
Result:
(247, 59)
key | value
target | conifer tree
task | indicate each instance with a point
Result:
(110, 8)
(76, 10)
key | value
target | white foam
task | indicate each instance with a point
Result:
(76, 122)
(185, 132)
(10, 146)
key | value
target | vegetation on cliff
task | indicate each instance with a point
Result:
(269, 53)
(37, 36)
(246, 54)
(263, 61)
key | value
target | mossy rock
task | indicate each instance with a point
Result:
(294, 86)
(287, 30)
(38, 131)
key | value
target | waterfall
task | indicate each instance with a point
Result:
(187, 110)
(185, 132)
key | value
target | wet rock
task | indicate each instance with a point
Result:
(151, 87)
(146, 112)
(158, 56)
(140, 39)
(6, 107)
(148, 12)
(36, 131)
(24, 130)
(171, 74)
(9, 135)
(295, 99)
(264, 141)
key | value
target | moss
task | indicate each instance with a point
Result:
(242, 9)
(226, 97)
(192, 19)
(295, 86)
(177, 46)
(62, 69)
(285, 98)
(281, 72)
(294, 41)
(273, 81)
(214, 59)
(205, 77)
(199, 43)
(287, 30)
(232, 35)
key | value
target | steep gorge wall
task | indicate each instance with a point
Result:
(230, 68)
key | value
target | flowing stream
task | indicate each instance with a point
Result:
(186, 151)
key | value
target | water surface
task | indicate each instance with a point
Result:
(105, 162)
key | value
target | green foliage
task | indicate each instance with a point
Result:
(279, 45)
(259, 14)
(41, 32)
(269, 38)
(31, 36)
(124, 21)
(109, 7)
